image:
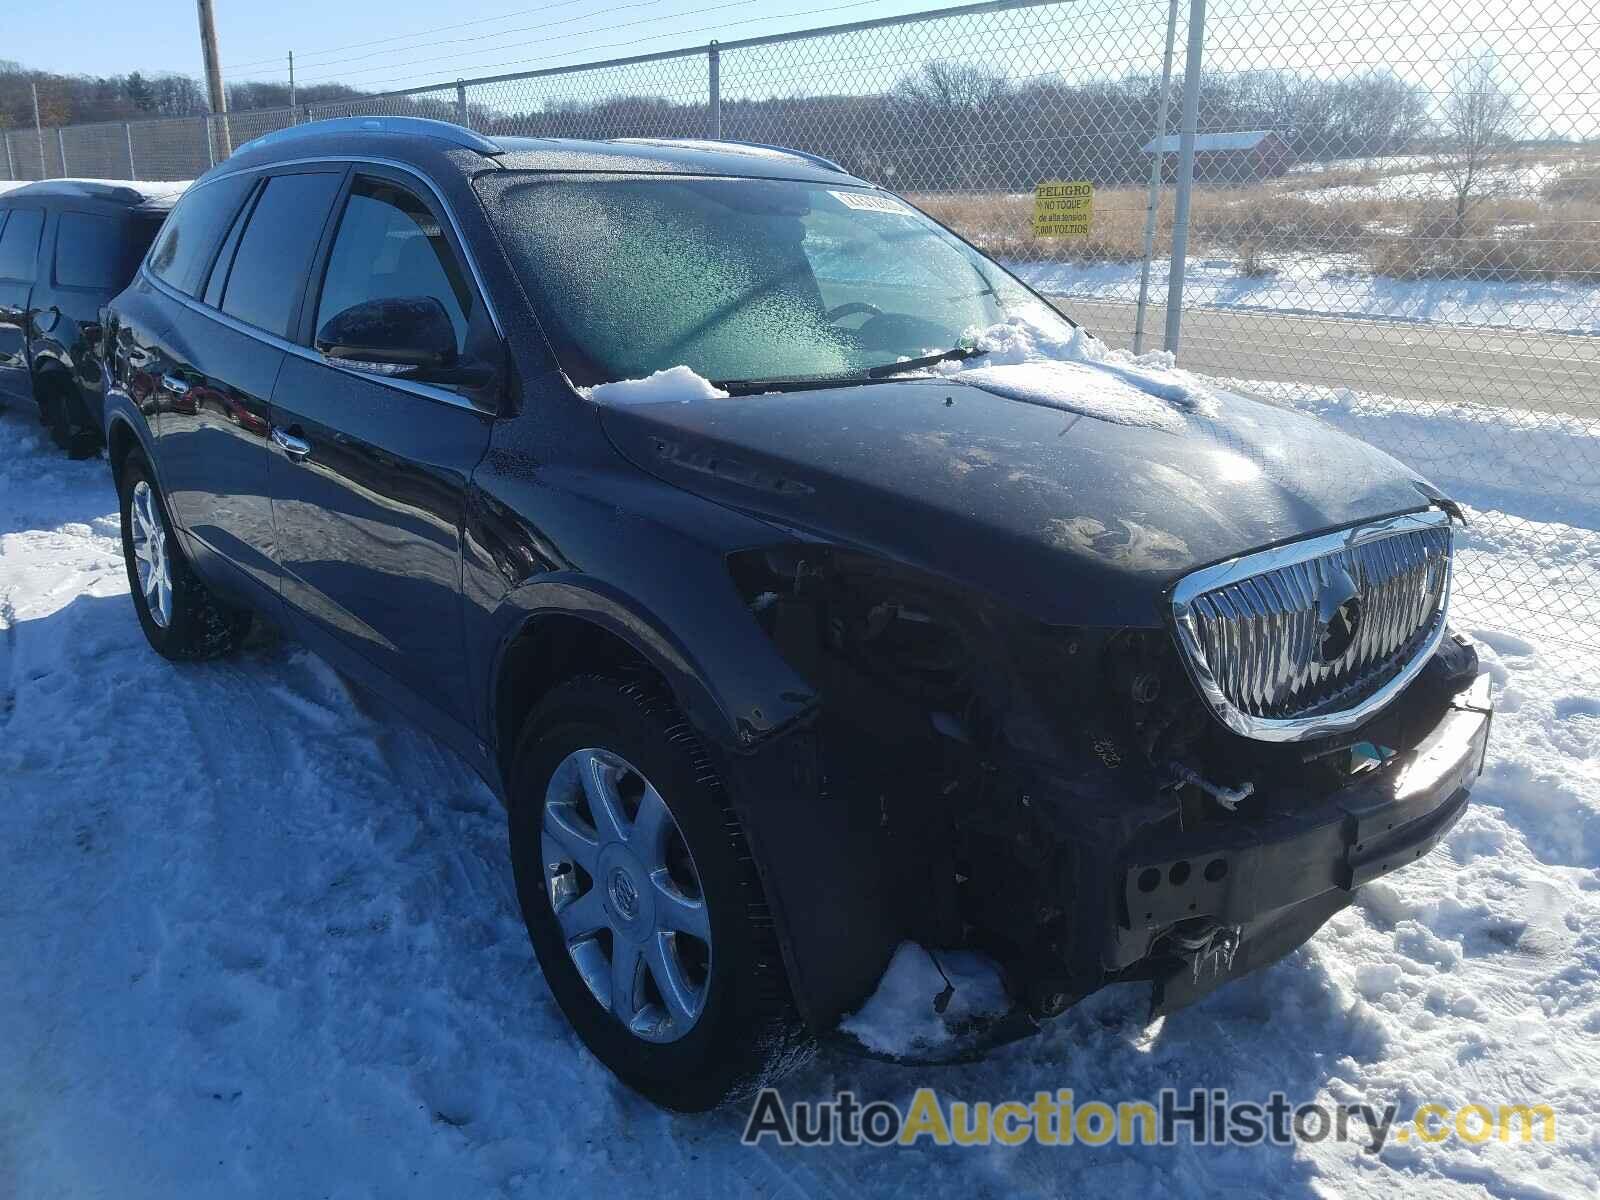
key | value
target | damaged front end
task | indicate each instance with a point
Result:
(1095, 805)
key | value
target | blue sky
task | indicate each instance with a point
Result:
(386, 44)
(1547, 48)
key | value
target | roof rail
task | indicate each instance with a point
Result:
(722, 143)
(457, 135)
(805, 154)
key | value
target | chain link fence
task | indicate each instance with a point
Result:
(1393, 206)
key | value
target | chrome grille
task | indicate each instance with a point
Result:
(1315, 637)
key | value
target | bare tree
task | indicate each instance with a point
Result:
(1479, 122)
(950, 86)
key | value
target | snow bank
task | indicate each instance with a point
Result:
(902, 1016)
(675, 384)
(1332, 284)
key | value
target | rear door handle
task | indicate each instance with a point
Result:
(174, 385)
(295, 447)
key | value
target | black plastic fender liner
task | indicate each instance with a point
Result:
(817, 853)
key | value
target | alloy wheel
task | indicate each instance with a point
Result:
(150, 554)
(626, 895)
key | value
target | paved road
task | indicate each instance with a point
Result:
(1538, 372)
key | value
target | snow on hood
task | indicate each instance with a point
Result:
(678, 384)
(900, 1017)
(1025, 358)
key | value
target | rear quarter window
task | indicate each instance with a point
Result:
(189, 238)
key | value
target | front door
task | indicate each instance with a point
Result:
(369, 473)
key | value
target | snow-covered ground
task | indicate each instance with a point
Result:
(1332, 285)
(259, 938)
(1419, 177)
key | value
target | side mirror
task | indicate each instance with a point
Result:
(399, 332)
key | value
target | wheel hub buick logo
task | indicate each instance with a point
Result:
(1338, 615)
(624, 896)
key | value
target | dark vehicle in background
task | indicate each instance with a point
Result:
(67, 246)
(816, 649)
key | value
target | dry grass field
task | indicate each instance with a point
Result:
(1537, 218)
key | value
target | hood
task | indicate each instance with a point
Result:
(1071, 518)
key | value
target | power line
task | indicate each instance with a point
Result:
(400, 37)
(577, 50)
(475, 38)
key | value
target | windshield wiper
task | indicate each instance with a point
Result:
(790, 383)
(954, 354)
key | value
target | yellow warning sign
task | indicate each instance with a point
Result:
(1063, 209)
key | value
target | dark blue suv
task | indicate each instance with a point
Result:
(67, 246)
(803, 582)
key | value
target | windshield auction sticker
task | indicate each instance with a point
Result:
(871, 202)
(1063, 209)
(1200, 1117)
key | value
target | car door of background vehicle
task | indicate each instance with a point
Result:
(369, 518)
(93, 255)
(225, 346)
(19, 254)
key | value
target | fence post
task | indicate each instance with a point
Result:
(461, 104)
(11, 164)
(714, 107)
(38, 131)
(61, 146)
(1152, 207)
(127, 135)
(211, 154)
(1180, 212)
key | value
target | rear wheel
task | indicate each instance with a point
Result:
(62, 412)
(641, 899)
(179, 616)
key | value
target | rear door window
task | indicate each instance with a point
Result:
(183, 251)
(268, 275)
(19, 244)
(92, 251)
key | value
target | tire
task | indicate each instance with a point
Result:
(188, 623)
(744, 1030)
(62, 412)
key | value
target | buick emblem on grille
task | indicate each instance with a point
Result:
(1338, 614)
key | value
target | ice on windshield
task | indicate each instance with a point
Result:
(739, 280)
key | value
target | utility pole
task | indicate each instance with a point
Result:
(38, 131)
(291, 85)
(208, 51)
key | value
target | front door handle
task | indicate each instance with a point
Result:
(174, 385)
(295, 447)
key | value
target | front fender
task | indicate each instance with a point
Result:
(722, 670)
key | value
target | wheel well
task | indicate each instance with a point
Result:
(549, 650)
(122, 442)
(51, 378)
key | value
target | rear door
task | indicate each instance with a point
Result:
(223, 351)
(369, 497)
(95, 254)
(19, 255)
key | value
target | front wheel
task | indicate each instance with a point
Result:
(179, 616)
(641, 899)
